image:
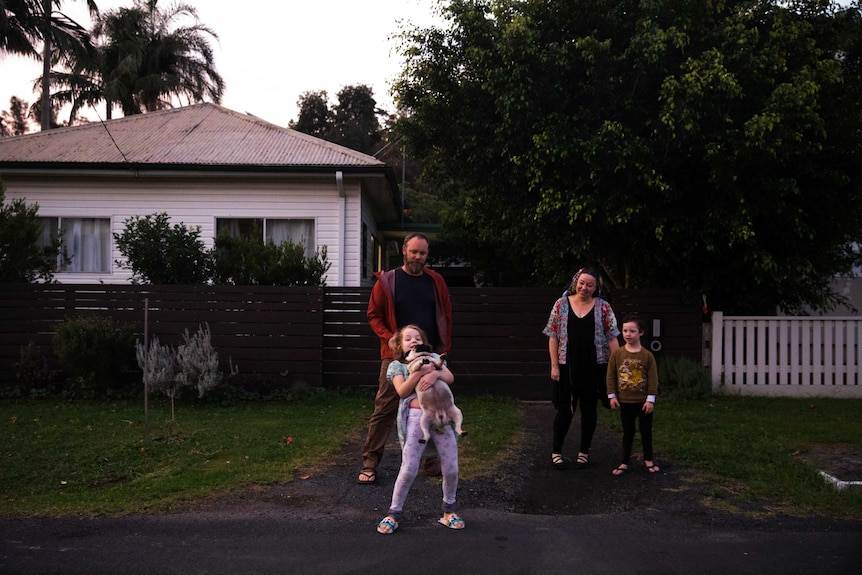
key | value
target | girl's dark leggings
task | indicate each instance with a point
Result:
(629, 413)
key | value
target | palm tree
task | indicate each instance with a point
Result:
(26, 23)
(54, 38)
(19, 27)
(147, 62)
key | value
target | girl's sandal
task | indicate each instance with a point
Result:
(560, 462)
(387, 526)
(452, 521)
(583, 460)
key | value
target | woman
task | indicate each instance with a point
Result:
(582, 332)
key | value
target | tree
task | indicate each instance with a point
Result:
(19, 26)
(24, 24)
(707, 146)
(14, 122)
(148, 58)
(58, 39)
(145, 60)
(158, 253)
(355, 124)
(351, 123)
(314, 118)
(22, 257)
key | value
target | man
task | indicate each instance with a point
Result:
(411, 294)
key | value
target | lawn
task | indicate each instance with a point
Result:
(92, 458)
(747, 449)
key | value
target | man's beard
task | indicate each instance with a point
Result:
(413, 268)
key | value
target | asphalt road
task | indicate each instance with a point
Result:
(527, 518)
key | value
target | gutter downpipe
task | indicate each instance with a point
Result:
(342, 220)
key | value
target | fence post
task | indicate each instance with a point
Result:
(146, 360)
(717, 365)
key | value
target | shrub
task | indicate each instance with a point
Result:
(682, 378)
(198, 361)
(160, 254)
(33, 372)
(158, 361)
(22, 257)
(95, 350)
(246, 260)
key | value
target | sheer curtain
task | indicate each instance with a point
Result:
(87, 244)
(296, 231)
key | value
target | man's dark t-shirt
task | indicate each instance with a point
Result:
(416, 302)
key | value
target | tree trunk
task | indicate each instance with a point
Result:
(46, 65)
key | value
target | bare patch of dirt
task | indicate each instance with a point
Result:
(840, 460)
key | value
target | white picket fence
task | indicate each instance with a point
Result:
(787, 356)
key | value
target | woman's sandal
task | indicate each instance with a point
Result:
(653, 468)
(620, 470)
(560, 462)
(367, 475)
(583, 460)
(452, 521)
(387, 526)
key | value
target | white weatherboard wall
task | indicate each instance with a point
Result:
(787, 356)
(198, 200)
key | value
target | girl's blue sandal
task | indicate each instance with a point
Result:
(452, 521)
(387, 526)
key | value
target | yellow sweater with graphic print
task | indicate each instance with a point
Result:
(632, 376)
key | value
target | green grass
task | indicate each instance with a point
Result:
(92, 459)
(89, 458)
(745, 450)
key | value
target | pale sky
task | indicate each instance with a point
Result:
(271, 51)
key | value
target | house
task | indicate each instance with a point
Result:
(206, 166)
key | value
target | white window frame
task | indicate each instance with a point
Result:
(297, 230)
(82, 240)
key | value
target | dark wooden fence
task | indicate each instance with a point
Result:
(320, 336)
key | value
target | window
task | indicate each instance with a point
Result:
(276, 231)
(86, 243)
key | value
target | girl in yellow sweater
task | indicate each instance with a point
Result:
(632, 382)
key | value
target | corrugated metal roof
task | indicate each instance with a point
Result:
(202, 134)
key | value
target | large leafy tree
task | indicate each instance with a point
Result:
(315, 118)
(355, 124)
(351, 122)
(147, 57)
(708, 146)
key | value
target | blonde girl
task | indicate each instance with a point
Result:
(409, 432)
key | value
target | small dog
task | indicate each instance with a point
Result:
(437, 402)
